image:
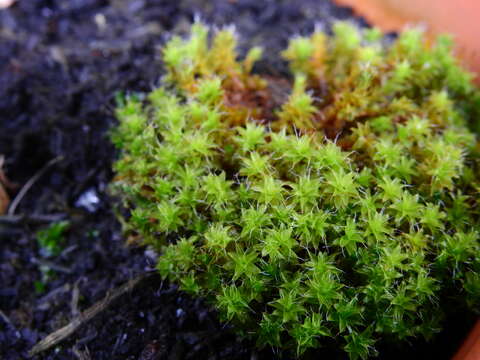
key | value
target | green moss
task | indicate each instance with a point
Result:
(348, 211)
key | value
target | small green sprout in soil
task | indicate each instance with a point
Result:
(348, 210)
(40, 287)
(51, 239)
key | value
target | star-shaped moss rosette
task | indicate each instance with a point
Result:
(348, 210)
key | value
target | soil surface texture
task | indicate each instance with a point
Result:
(61, 64)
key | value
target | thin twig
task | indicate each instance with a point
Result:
(81, 355)
(64, 332)
(5, 318)
(68, 250)
(53, 294)
(75, 297)
(51, 265)
(31, 218)
(23, 191)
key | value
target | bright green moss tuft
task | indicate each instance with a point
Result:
(349, 210)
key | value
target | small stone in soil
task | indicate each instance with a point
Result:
(89, 200)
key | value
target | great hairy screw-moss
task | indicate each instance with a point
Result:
(348, 211)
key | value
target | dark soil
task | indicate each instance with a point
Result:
(61, 64)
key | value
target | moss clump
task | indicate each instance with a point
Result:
(349, 210)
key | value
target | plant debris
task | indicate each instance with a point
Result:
(26, 187)
(61, 334)
(4, 198)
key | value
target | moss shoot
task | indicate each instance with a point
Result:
(346, 209)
